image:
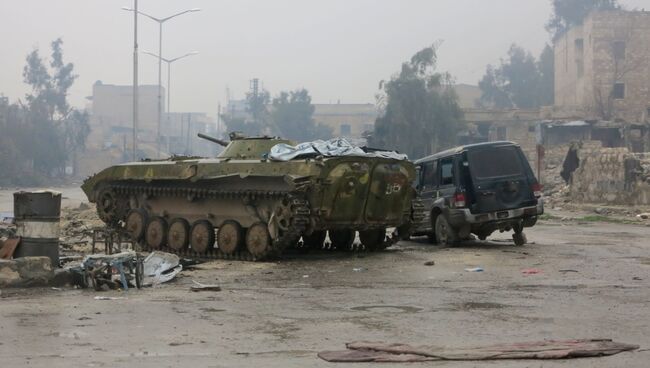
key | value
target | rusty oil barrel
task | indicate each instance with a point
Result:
(38, 216)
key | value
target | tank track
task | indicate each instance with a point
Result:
(298, 223)
(290, 238)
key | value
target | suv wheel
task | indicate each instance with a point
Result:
(445, 234)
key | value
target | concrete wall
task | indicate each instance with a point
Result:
(612, 176)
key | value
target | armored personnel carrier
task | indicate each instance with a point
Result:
(244, 204)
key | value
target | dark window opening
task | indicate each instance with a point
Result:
(447, 172)
(495, 162)
(429, 176)
(618, 92)
(619, 50)
(531, 128)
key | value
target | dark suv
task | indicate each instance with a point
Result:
(478, 188)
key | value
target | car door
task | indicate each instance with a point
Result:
(428, 189)
(447, 181)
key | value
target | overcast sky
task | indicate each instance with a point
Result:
(337, 49)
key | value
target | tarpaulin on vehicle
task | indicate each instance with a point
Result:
(331, 148)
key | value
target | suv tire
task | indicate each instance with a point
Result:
(445, 234)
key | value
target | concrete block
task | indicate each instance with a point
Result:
(26, 271)
(8, 273)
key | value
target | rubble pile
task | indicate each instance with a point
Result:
(77, 226)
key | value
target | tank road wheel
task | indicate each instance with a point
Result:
(445, 234)
(178, 236)
(229, 237)
(202, 236)
(373, 239)
(109, 208)
(258, 240)
(156, 233)
(136, 223)
(342, 239)
(315, 240)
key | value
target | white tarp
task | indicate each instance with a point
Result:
(330, 148)
(160, 267)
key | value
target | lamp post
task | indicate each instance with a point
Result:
(135, 79)
(160, 24)
(169, 67)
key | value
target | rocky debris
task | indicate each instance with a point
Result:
(77, 226)
(26, 271)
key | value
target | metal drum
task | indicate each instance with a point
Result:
(37, 217)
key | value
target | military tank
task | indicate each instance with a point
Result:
(244, 205)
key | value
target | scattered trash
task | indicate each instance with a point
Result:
(57, 289)
(160, 267)
(204, 287)
(565, 271)
(547, 349)
(114, 271)
(305, 276)
(637, 278)
(643, 216)
(430, 263)
(359, 269)
(531, 271)
(475, 269)
(109, 298)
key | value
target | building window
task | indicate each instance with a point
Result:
(619, 50)
(619, 91)
(579, 56)
(346, 129)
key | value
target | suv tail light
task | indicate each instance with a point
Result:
(537, 190)
(459, 200)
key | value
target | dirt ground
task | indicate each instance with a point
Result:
(593, 284)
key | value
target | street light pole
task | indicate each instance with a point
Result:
(135, 79)
(160, 22)
(169, 67)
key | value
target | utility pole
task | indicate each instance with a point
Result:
(135, 79)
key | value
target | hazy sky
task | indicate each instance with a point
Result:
(337, 49)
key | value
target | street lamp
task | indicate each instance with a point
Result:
(169, 67)
(160, 24)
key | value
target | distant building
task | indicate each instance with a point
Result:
(602, 67)
(468, 95)
(346, 120)
(112, 114)
(111, 123)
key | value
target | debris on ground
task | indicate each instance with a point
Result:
(204, 287)
(474, 269)
(531, 271)
(547, 349)
(121, 270)
(160, 267)
(109, 298)
(8, 247)
(429, 263)
(77, 225)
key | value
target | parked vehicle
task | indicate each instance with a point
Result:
(478, 188)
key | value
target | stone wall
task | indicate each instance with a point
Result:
(612, 176)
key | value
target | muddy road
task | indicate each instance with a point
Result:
(593, 283)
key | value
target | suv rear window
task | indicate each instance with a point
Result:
(495, 162)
